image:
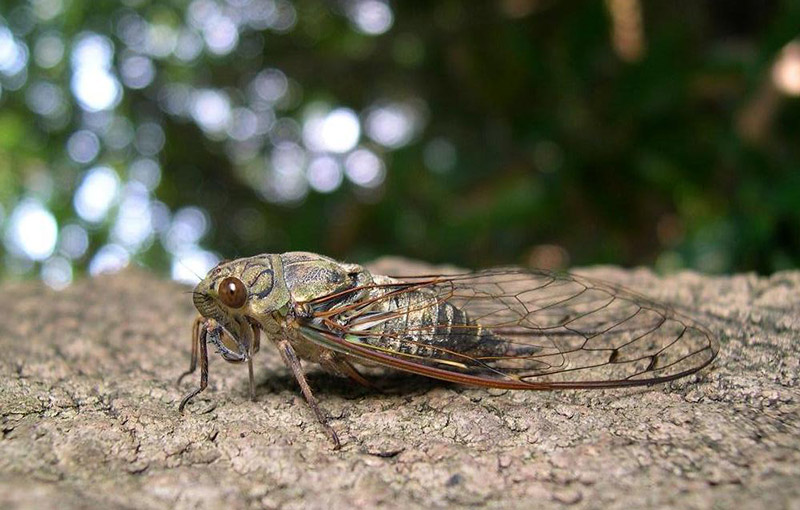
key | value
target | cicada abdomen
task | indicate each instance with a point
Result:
(414, 323)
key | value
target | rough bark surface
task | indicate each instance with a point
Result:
(88, 405)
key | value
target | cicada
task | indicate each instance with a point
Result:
(502, 328)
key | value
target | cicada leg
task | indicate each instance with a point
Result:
(252, 381)
(201, 344)
(198, 321)
(293, 362)
(254, 349)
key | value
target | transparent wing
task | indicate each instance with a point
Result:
(528, 329)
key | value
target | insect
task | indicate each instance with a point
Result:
(504, 328)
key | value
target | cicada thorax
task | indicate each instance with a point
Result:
(309, 276)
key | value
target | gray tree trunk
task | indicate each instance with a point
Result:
(88, 405)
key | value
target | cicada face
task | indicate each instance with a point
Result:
(239, 295)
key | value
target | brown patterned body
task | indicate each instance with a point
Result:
(507, 328)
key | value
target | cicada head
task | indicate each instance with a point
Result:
(239, 295)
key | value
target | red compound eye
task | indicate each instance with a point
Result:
(232, 292)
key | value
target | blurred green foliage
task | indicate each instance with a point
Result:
(525, 131)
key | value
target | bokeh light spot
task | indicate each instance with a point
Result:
(287, 181)
(373, 17)
(270, 85)
(45, 98)
(32, 230)
(176, 99)
(244, 124)
(161, 40)
(786, 70)
(96, 194)
(340, 130)
(92, 50)
(392, 125)
(83, 146)
(119, 133)
(220, 34)
(57, 273)
(192, 265)
(13, 53)
(95, 89)
(211, 109)
(109, 259)
(364, 168)
(335, 131)
(189, 46)
(324, 174)
(133, 226)
(149, 139)
(73, 241)
(46, 10)
(201, 12)
(137, 71)
(160, 216)
(284, 16)
(93, 84)
(146, 171)
(188, 226)
(48, 51)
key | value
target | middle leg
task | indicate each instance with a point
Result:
(291, 360)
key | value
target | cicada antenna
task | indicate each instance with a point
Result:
(188, 268)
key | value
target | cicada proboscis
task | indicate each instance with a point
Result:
(502, 328)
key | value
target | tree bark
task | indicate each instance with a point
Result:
(88, 404)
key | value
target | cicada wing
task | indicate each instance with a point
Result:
(514, 328)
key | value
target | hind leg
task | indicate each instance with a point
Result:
(291, 360)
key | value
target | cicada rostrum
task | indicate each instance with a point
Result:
(503, 328)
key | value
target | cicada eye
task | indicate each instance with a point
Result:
(232, 292)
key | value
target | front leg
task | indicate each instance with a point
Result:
(291, 360)
(200, 335)
(199, 322)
